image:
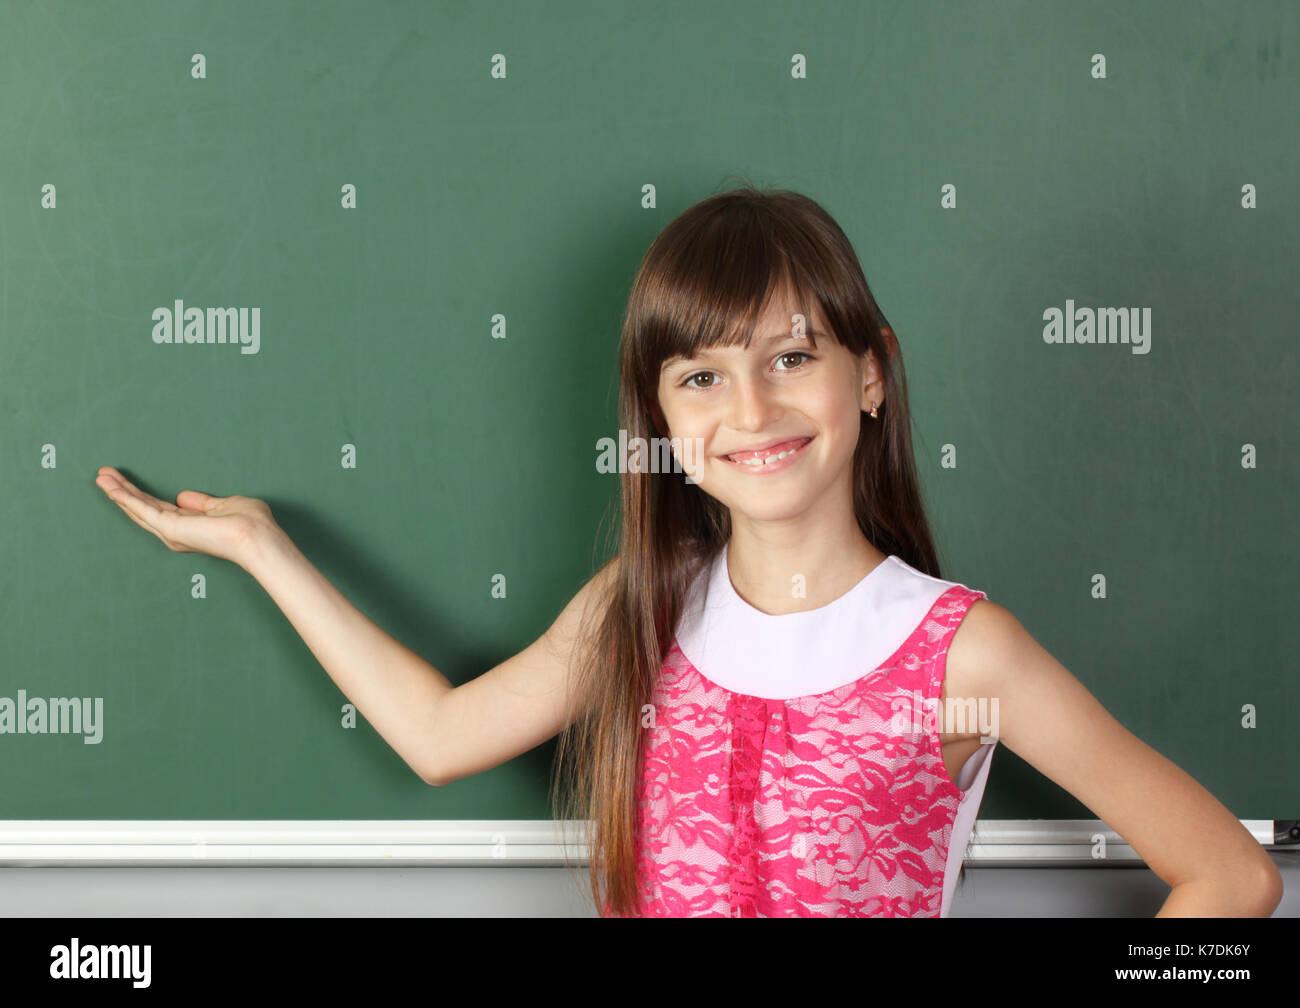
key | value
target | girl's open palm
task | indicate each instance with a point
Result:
(197, 523)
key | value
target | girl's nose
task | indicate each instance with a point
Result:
(752, 406)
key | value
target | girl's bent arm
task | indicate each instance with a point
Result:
(1213, 864)
(443, 732)
(395, 689)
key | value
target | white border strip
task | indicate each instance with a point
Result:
(525, 842)
(1068, 843)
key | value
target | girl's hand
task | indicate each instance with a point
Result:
(224, 527)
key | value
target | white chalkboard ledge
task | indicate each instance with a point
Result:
(532, 843)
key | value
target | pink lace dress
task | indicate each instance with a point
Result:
(794, 766)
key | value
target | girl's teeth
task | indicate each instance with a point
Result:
(769, 459)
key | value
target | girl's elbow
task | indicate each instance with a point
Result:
(1252, 894)
(1251, 888)
(1271, 889)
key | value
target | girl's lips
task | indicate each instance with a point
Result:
(770, 467)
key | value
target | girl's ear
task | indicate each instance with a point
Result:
(872, 388)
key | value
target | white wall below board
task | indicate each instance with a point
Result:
(405, 891)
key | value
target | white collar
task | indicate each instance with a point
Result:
(789, 655)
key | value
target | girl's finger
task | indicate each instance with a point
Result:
(196, 501)
(117, 498)
(149, 500)
(138, 507)
(116, 481)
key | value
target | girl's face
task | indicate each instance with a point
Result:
(782, 392)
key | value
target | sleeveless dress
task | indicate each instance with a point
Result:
(794, 766)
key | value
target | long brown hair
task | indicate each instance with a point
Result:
(704, 283)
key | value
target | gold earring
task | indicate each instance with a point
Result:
(873, 410)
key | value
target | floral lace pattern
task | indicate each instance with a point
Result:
(822, 805)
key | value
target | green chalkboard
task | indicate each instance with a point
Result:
(384, 190)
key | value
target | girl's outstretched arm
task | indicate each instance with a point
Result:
(1049, 719)
(393, 688)
(443, 732)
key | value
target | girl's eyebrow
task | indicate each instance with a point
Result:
(764, 344)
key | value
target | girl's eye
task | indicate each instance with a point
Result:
(795, 353)
(700, 374)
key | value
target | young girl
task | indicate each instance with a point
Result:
(753, 694)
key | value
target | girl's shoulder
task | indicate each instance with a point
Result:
(984, 645)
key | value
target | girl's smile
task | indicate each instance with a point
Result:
(775, 459)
